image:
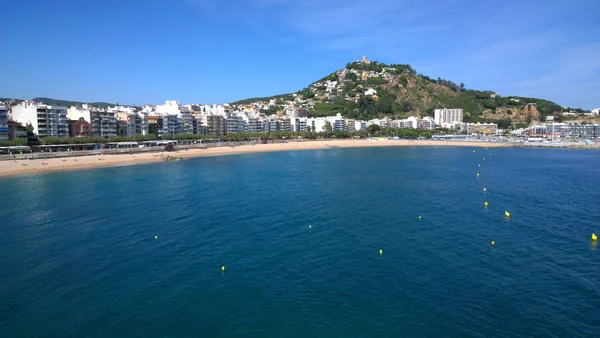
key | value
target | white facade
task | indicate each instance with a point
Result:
(298, 124)
(370, 91)
(117, 109)
(360, 125)
(596, 111)
(411, 122)
(448, 116)
(45, 120)
(169, 108)
(428, 123)
(75, 113)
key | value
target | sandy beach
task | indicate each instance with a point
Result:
(32, 166)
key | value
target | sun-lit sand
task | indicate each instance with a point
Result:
(19, 167)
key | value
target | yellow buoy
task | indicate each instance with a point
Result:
(381, 252)
(420, 217)
(155, 237)
(478, 174)
(493, 243)
(485, 204)
(479, 165)
(484, 159)
(507, 214)
(594, 237)
(484, 189)
(223, 268)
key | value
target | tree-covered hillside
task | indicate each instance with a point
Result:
(366, 90)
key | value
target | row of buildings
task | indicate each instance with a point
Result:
(172, 118)
(562, 130)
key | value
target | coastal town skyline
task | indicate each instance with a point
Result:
(511, 57)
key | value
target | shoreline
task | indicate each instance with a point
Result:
(19, 167)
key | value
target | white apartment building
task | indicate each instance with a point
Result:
(411, 122)
(169, 108)
(596, 111)
(46, 120)
(428, 123)
(298, 124)
(448, 116)
(360, 125)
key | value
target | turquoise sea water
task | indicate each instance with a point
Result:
(78, 255)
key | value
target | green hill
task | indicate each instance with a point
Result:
(402, 92)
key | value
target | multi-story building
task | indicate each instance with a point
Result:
(141, 123)
(46, 120)
(448, 116)
(126, 123)
(187, 120)
(4, 136)
(215, 125)
(269, 125)
(235, 123)
(427, 123)
(104, 124)
(360, 125)
(410, 122)
(80, 128)
(197, 125)
(337, 123)
(253, 124)
(284, 124)
(172, 124)
(350, 125)
(483, 128)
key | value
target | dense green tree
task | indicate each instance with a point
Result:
(373, 128)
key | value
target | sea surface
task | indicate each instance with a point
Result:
(299, 234)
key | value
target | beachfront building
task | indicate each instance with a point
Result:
(482, 128)
(427, 123)
(141, 123)
(350, 125)
(253, 124)
(410, 122)
(46, 120)
(172, 124)
(187, 120)
(284, 124)
(269, 125)
(4, 135)
(235, 123)
(126, 123)
(214, 125)
(298, 124)
(448, 116)
(104, 124)
(80, 128)
(360, 125)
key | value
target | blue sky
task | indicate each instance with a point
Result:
(215, 51)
